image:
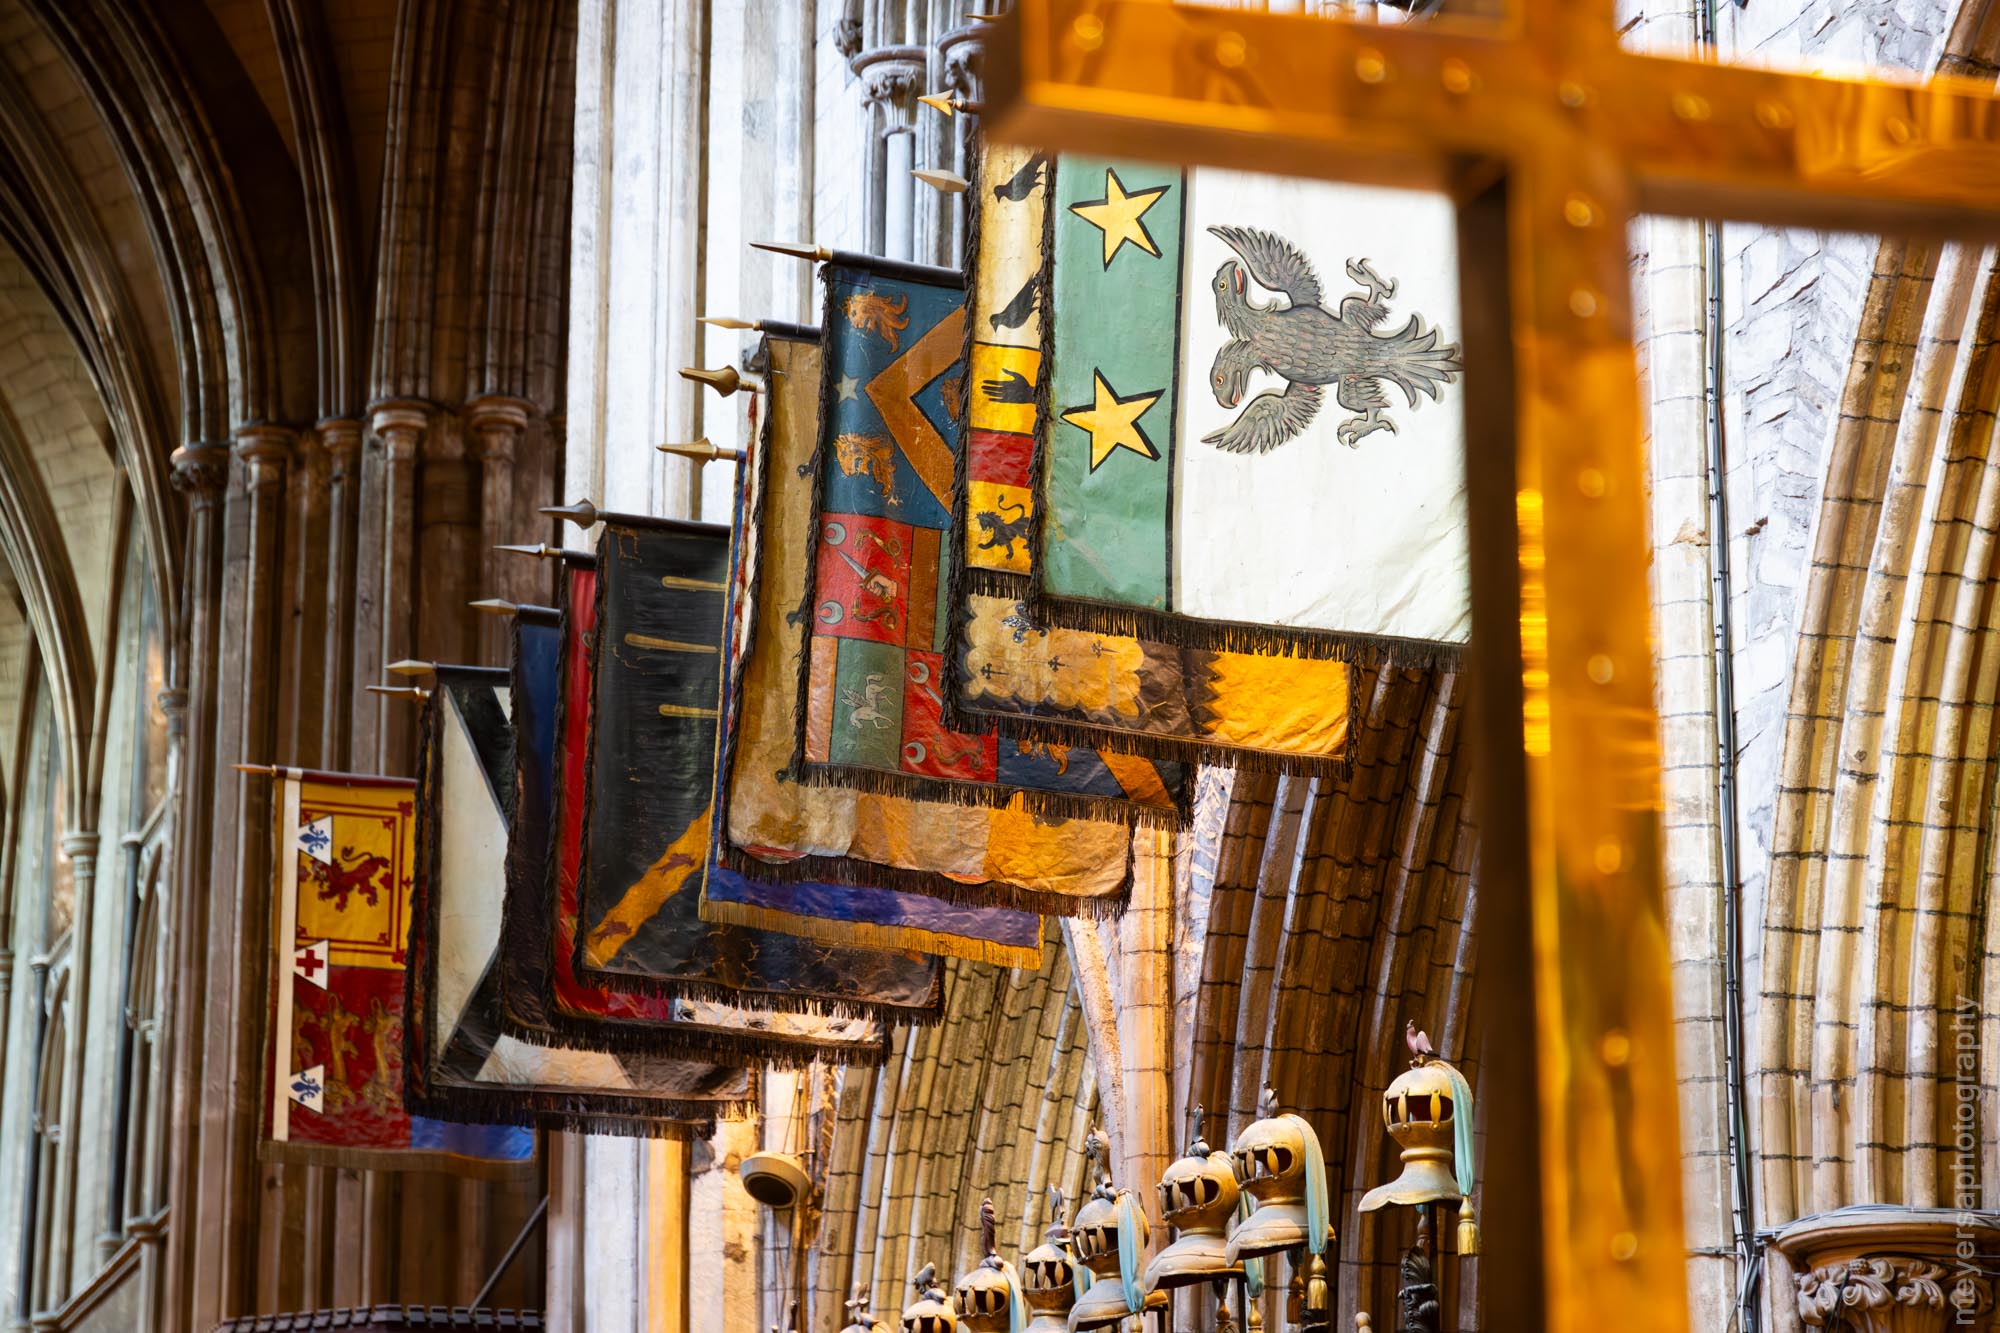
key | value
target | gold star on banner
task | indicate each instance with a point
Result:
(1113, 422)
(1120, 216)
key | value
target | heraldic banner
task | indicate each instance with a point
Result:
(655, 680)
(893, 385)
(344, 861)
(835, 913)
(542, 997)
(462, 1066)
(1039, 676)
(1256, 436)
(945, 854)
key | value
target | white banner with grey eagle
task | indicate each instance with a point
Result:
(1255, 437)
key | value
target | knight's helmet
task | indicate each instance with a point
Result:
(1111, 1235)
(932, 1311)
(1278, 1162)
(988, 1295)
(1428, 1110)
(1198, 1198)
(1051, 1279)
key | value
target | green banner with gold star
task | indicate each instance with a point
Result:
(1117, 299)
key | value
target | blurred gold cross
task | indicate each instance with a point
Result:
(1551, 137)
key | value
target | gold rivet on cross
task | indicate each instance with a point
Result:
(1087, 32)
(1370, 67)
(1579, 211)
(1458, 77)
(1231, 50)
(1690, 106)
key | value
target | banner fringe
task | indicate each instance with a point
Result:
(809, 1006)
(870, 934)
(1173, 749)
(1231, 636)
(992, 796)
(625, 1117)
(981, 893)
(744, 1048)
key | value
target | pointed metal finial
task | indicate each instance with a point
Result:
(581, 512)
(725, 381)
(408, 693)
(796, 249)
(703, 450)
(410, 666)
(495, 606)
(942, 103)
(726, 322)
(945, 182)
(540, 550)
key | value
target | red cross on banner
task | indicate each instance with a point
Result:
(310, 961)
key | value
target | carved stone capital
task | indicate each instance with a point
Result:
(341, 438)
(173, 705)
(847, 36)
(497, 423)
(400, 425)
(80, 846)
(263, 450)
(200, 470)
(891, 76)
(1891, 1270)
(964, 52)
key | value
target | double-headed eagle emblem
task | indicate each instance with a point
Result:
(1311, 346)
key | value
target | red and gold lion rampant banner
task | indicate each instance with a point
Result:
(345, 858)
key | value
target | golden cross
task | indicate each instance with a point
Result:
(1551, 138)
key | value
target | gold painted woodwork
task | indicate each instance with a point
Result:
(1552, 138)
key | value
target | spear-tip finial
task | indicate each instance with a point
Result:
(944, 182)
(724, 381)
(703, 450)
(410, 666)
(726, 322)
(946, 104)
(796, 249)
(539, 550)
(580, 512)
(407, 693)
(494, 606)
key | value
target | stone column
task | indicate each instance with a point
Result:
(200, 472)
(388, 550)
(1875, 1269)
(497, 424)
(342, 441)
(239, 882)
(149, 1229)
(892, 77)
(79, 847)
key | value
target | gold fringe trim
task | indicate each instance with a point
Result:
(870, 935)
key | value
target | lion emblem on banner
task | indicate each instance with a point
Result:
(868, 456)
(872, 312)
